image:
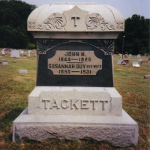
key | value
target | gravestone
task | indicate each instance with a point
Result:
(3, 51)
(127, 61)
(130, 55)
(138, 56)
(125, 56)
(135, 64)
(5, 63)
(29, 52)
(74, 97)
(119, 62)
(23, 71)
(140, 60)
(124, 63)
(147, 77)
(144, 63)
(15, 54)
(32, 54)
(21, 52)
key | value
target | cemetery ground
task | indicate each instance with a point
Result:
(15, 88)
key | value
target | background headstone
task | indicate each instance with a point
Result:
(23, 71)
(15, 54)
(3, 51)
(135, 64)
(147, 77)
(144, 63)
(119, 62)
(5, 63)
(138, 56)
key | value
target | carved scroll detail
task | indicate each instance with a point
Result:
(56, 20)
(95, 20)
(31, 25)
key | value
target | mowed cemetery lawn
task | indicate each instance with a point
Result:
(15, 88)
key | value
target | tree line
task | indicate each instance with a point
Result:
(14, 34)
(136, 36)
(13, 24)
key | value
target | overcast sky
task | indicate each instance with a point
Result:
(126, 7)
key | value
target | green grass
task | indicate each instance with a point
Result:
(15, 88)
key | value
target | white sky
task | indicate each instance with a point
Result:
(126, 7)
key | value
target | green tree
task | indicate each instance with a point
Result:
(13, 23)
(136, 36)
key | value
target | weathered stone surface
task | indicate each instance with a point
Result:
(119, 131)
(79, 17)
(89, 101)
(78, 101)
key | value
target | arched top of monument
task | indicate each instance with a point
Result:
(77, 17)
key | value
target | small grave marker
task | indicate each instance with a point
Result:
(135, 64)
(3, 51)
(138, 56)
(147, 77)
(127, 61)
(125, 56)
(32, 54)
(130, 55)
(144, 63)
(15, 54)
(23, 71)
(119, 62)
(5, 63)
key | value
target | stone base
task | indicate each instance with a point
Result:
(120, 131)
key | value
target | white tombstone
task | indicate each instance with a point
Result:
(21, 52)
(5, 63)
(135, 64)
(3, 51)
(15, 54)
(29, 53)
(119, 61)
(140, 60)
(23, 71)
(138, 56)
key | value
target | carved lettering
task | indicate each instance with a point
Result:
(74, 63)
(45, 103)
(93, 101)
(76, 104)
(84, 104)
(54, 104)
(103, 104)
(64, 104)
(75, 20)
(73, 103)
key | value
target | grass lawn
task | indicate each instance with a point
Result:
(15, 88)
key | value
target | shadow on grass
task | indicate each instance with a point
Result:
(6, 121)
